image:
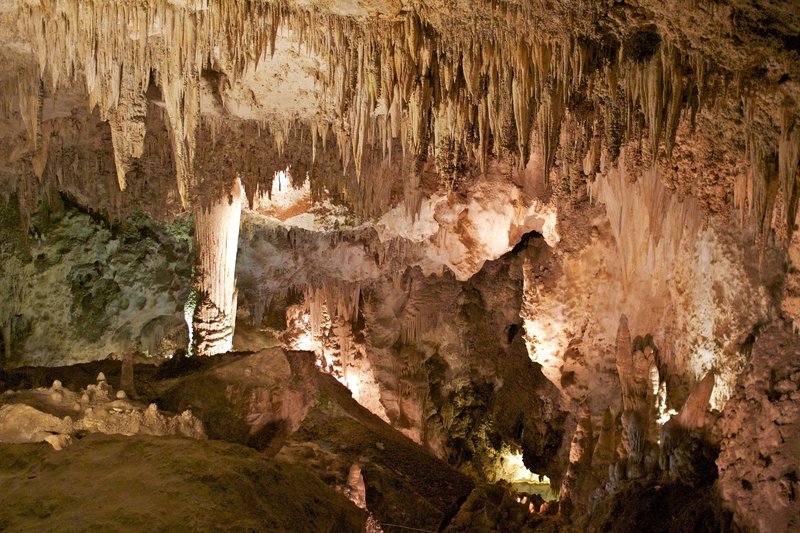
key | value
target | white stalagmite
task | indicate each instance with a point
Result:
(217, 238)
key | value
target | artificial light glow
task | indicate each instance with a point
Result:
(510, 468)
(305, 340)
(353, 381)
(284, 201)
(726, 370)
(308, 331)
(664, 415)
(523, 474)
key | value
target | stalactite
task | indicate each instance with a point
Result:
(127, 121)
(29, 102)
(332, 300)
(635, 362)
(661, 91)
(763, 187)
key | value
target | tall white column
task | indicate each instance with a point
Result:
(216, 241)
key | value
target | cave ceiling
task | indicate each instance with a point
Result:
(371, 98)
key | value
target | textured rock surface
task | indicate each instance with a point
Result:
(404, 484)
(648, 258)
(56, 413)
(250, 400)
(281, 404)
(758, 462)
(78, 288)
(441, 359)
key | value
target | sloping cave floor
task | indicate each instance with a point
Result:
(290, 453)
(238, 479)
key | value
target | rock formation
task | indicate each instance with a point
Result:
(217, 240)
(36, 415)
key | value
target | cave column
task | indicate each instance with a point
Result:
(216, 242)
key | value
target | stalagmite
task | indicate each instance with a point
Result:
(126, 380)
(604, 450)
(583, 443)
(693, 413)
(624, 349)
(638, 375)
(216, 238)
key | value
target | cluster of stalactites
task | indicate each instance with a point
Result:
(393, 89)
(768, 195)
(119, 48)
(333, 310)
(340, 300)
(387, 84)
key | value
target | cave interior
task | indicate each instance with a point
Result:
(400, 265)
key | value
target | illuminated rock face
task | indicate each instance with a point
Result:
(401, 96)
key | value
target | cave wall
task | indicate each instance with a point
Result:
(698, 286)
(758, 472)
(388, 315)
(79, 288)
